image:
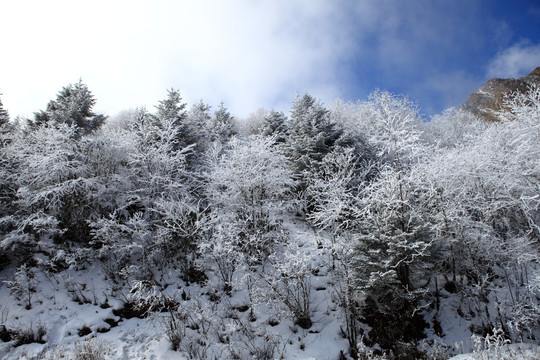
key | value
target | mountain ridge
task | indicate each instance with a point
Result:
(488, 102)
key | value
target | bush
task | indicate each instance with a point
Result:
(92, 349)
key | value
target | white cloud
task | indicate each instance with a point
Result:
(246, 53)
(516, 61)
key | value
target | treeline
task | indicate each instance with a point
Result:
(407, 210)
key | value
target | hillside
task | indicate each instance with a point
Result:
(347, 231)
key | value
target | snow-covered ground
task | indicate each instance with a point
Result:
(74, 307)
(76, 310)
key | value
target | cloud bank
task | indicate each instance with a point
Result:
(252, 53)
(516, 61)
(245, 53)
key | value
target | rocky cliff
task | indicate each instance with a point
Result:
(488, 102)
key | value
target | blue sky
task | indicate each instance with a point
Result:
(260, 53)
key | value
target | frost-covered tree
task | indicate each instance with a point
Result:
(252, 124)
(221, 126)
(159, 168)
(333, 191)
(8, 164)
(387, 217)
(126, 247)
(452, 128)
(199, 121)
(249, 183)
(488, 188)
(311, 133)
(73, 106)
(4, 115)
(395, 232)
(180, 228)
(275, 124)
(392, 124)
(158, 198)
(221, 250)
(58, 180)
(171, 115)
(69, 181)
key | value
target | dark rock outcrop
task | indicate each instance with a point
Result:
(488, 102)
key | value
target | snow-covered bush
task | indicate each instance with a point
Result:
(92, 349)
(127, 248)
(247, 187)
(181, 228)
(220, 252)
(288, 284)
(147, 298)
(24, 285)
(174, 328)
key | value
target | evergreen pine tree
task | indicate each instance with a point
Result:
(171, 116)
(223, 127)
(311, 134)
(73, 106)
(4, 115)
(275, 125)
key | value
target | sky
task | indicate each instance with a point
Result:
(253, 54)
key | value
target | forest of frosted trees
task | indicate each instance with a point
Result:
(405, 214)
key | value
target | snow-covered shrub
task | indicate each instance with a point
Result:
(288, 283)
(77, 290)
(220, 252)
(436, 349)
(256, 347)
(248, 186)
(191, 329)
(92, 349)
(16, 247)
(174, 328)
(23, 286)
(147, 298)
(31, 333)
(496, 345)
(180, 230)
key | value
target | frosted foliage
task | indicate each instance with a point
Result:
(249, 173)
(248, 186)
(311, 134)
(396, 235)
(453, 128)
(393, 122)
(349, 232)
(289, 284)
(333, 192)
